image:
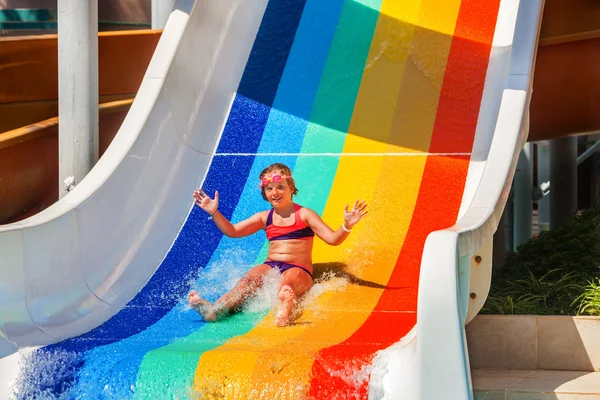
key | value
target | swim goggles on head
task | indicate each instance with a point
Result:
(274, 178)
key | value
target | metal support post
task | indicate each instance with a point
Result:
(523, 184)
(77, 91)
(161, 9)
(589, 152)
(509, 231)
(563, 178)
(499, 246)
(543, 178)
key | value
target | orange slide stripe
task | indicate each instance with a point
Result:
(435, 209)
(463, 85)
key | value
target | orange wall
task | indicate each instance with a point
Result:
(29, 73)
(566, 87)
(28, 95)
(569, 17)
(566, 90)
(29, 162)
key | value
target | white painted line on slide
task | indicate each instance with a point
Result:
(338, 154)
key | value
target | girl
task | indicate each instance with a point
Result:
(290, 230)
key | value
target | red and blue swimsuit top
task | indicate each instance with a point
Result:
(298, 230)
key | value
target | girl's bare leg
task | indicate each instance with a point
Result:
(232, 300)
(294, 283)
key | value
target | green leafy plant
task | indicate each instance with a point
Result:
(550, 294)
(505, 304)
(588, 303)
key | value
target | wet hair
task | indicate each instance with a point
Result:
(285, 170)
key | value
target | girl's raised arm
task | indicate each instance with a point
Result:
(328, 235)
(243, 228)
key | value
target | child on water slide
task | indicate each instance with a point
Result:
(290, 230)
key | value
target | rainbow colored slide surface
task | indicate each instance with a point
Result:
(399, 103)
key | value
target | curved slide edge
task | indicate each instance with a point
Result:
(449, 275)
(71, 267)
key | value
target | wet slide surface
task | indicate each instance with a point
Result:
(369, 99)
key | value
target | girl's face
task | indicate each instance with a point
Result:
(278, 193)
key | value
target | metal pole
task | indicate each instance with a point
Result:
(161, 9)
(77, 91)
(509, 231)
(563, 178)
(588, 153)
(499, 245)
(543, 174)
(523, 185)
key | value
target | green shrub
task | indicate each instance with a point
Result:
(575, 246)
(553, 274)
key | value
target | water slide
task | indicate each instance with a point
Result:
(420, 107)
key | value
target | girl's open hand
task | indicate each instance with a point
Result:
(206, 203)
(351, 217)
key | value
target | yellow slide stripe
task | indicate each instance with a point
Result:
(411, 131)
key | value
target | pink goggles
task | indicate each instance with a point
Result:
(274, 178)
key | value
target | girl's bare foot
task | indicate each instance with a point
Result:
(201, 306)
(285, 317)
(286, 312)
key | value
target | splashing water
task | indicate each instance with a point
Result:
(59, 374)
(354, 374)
(266, 296)
(210, 284)
(52, 372)
(328, 283)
